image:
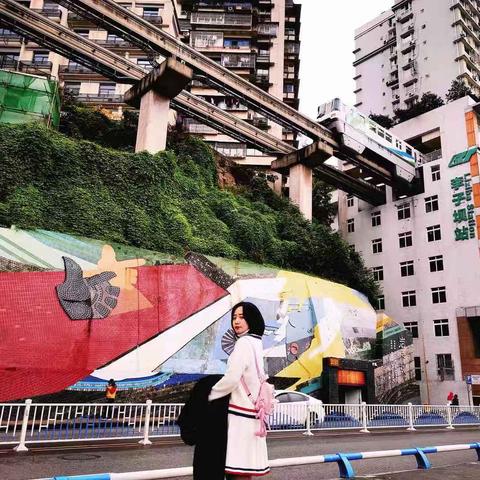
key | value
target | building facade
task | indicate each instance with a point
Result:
(424, 251)
(399, 53)
(257, 39)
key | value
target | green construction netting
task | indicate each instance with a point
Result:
(26, 98)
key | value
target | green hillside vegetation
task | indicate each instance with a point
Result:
(169, 202)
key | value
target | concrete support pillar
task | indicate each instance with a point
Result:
(152, 123)
(152, 95)
(300, 181)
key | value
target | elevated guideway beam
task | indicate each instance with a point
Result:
(116, 19)
(86, 52)
(71, 45)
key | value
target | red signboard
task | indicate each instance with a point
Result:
(350, 377)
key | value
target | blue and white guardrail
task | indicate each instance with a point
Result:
(342, 459)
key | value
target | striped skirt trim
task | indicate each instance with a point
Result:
(242, 411)
(254, 472)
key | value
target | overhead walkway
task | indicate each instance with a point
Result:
(101, 60)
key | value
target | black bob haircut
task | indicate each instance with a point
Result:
(252, 316)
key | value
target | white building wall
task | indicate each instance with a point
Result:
(461, 259)
(434, 28)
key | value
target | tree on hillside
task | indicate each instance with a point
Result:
(323, 210)
(428, 101)
(383, 120)
(459, 89)
(86, 123)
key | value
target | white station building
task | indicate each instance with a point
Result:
(424, 250)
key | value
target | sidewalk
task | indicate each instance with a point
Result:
(469, 471)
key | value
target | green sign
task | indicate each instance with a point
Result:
(464, 213)
(462, 157)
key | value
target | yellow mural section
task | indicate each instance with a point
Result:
(302, 287)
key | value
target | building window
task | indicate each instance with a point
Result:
(378, 274)
(431, 203)
(435, 173)
(150, 11)
(376, 219)
(405, 239)
(350, 200)
(107, 89)
(381, 302)
(351, 225)
(406, 268)
(474, 324)
(377, 245)
(403, 211)
(409, 299)
(40, 57)
(441, 327)
(412, 327)
(436, 263)
(145, 63)
(445, 368)
(418, 369)
(433, 233)
(439, 295)
(73, 87)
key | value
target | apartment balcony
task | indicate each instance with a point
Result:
(404, 15)
(264, 59)
(8, 62)
(228, 6)
(471, 13)
(292, 48)
(75, 70)
(48, 12)
(407, 29)
(407, 47)
(225, 19)
(100, 98)
(431, 157)
(115, 43)
(154, 19)
(10, 38)
(38, 64)
(261, 123)
(267, 29)
(392, 80)
(261, 80)
(192, 126)
(237, 60)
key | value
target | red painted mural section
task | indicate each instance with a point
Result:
(43, 351)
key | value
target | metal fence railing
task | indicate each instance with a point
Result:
(23, 423)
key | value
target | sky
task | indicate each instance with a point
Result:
(327, 42)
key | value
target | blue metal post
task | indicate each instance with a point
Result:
(422, 461)
(345, 467)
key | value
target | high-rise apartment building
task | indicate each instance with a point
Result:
(257, 39)
(416, 47)
(424, 251)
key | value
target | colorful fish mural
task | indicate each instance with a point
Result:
(75, 312)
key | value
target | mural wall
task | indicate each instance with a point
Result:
(76, 312)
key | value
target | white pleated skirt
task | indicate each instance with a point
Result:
(246, 452)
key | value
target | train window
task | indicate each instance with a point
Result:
(388, 137)
(373, 127)
(398, 143)
(408, 150)
(380, 133)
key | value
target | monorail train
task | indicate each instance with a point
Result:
(358, 133)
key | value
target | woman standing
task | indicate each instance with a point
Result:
(246, 452)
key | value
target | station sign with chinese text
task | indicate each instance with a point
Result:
(464, 212)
